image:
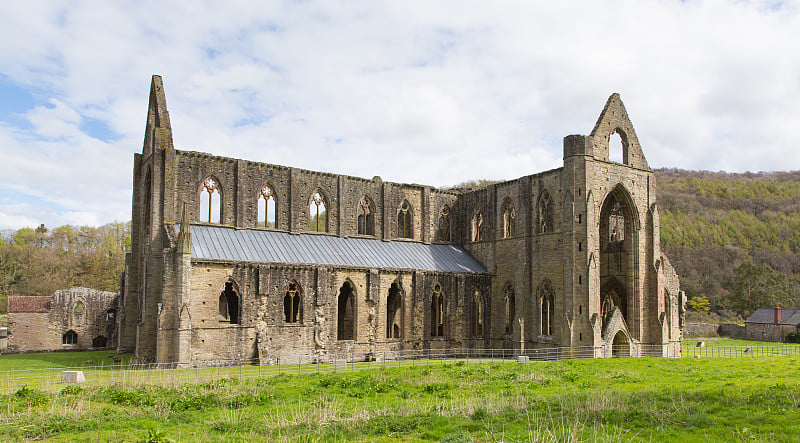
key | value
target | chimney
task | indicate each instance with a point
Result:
(777, 314)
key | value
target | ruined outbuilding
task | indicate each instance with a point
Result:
(238, 259)
(70, 319)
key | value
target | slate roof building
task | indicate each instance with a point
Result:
(235, 259)
(772, 324)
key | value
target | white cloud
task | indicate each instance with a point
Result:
(426, 92)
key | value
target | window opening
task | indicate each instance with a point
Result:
(69, 338)
(477, 314)
(394, 315)
(477, 223)
(547, 307)
(511, 310)
(404, 221)
(616, 148)
(444, 224)
(545, 213)
(437, 312)
(148, 190)
(292, 305)
(366, 217)
(229, 304)
(99, 342)
(79, 307)
(346, 314)
(318, 214)
(266, 207)
(210, 197)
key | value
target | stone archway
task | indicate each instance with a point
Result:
(621, 345)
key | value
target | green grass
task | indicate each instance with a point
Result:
(46, 360)
(632, 399)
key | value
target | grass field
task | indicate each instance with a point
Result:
(631, 399)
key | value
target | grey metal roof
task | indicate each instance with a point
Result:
(265, 246)
(767, 315)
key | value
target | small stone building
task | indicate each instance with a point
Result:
(235, 259)
(772, 324)
(76, 318)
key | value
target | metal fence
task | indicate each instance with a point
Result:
(176, 374)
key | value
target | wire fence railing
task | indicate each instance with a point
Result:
(177, 374)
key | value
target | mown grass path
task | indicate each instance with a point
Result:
(631, 399)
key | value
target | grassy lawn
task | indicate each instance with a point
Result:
(45, 360)
(631, 399)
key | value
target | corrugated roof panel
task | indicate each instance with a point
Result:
(265, 246)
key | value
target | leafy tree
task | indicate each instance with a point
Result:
(758, 286)
(698, 304)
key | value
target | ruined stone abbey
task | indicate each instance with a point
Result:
(237, 259)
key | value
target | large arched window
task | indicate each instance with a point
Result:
(346, 313)
(546, 307)
(69, 338)
(509, 215)
(366, 216)
(545, 213)
(444, 224)
(476, 310)
(210, 201)
(229, 304)
(437, 312)
(477, 223)
(317, 213)
(293, 304)
(613, 225)
(267, 207)
(405, 218)
(394, 312)
(511, 308)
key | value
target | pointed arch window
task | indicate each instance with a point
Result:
(267, 207)
(545, 213)
(509, 215)
(346, 313)
(477, 223)
(444, 224)
(476, 309)
(511, 308)
(394, 313)
(437, 312)
(229, 304)
(366, 216)
(210, 201)
(405, 217)
(317, 213)
(668, 314)
(293, 304)
(546, 308)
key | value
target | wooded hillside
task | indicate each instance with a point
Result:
(733, 238)
(40, 261)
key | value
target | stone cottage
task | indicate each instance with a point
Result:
(238, 259)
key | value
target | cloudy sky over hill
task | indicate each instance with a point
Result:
(414, 91)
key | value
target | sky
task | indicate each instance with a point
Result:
(429, 92)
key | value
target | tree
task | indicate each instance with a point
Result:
(758, 286)
(698, 304)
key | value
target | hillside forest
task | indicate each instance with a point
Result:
(733, 238)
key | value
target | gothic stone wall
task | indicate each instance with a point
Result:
(263, 332)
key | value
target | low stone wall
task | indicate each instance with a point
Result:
(700, 330)
(732, 331)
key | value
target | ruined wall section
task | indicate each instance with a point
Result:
(90, 313)
(441, 201)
